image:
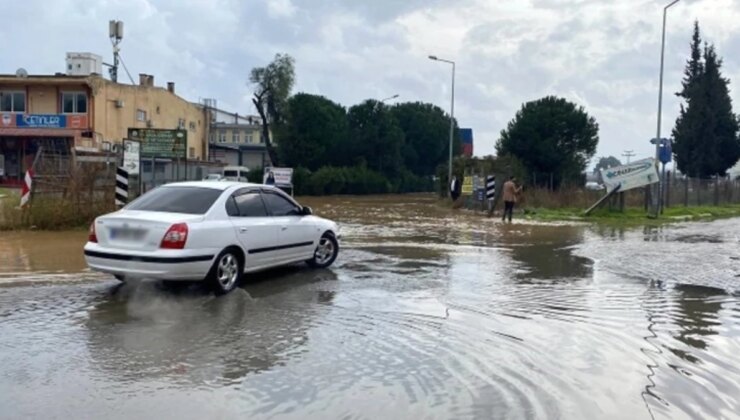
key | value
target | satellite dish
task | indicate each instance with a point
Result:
(21, 72)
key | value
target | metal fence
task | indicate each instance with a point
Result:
(63, 176)
(701, 192)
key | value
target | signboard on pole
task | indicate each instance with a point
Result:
(131, 156)
(158, 143)
(633, 175)
(467, 186)
(279, 177)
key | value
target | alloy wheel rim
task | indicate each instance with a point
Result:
(228, 270)
(324, 251)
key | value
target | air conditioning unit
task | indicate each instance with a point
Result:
(149, 124)
(119, 103)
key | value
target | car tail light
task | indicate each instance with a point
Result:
(91, 236)
(175, 237)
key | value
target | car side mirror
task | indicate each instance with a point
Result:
(306, 211)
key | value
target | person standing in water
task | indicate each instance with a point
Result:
(511, 191)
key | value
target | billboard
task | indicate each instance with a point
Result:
(279, 177)
(633, 175)
(161, 143)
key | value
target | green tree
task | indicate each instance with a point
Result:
(705, 135)
(312, 130)
(375, 139)
(551, 136)
(273, 84)
(606, 162)
(426, 130)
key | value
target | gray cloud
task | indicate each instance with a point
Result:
(604, 55)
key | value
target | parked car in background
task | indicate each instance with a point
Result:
(213, 177)
(236, 173)
(211, 231)
(594, 186)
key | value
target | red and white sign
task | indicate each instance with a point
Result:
(26, 188)
(77, 121)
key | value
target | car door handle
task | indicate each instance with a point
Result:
(243, 230)
(284, 228)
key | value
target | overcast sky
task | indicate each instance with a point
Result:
(602, 54)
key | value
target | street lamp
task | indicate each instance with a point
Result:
(389, 98)
(656, 197)
(452, 111)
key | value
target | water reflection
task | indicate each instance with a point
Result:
(141, 331)
(699, 309)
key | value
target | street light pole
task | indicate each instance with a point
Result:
(656, 197)
(452, 112)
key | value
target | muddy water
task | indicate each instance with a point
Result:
(427, 314)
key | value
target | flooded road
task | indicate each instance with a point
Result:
(426, 314)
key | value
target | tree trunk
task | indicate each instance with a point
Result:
(257, 100)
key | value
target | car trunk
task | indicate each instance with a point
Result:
(138, 230)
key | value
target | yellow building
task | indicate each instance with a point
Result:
(119, 107)
(70, 115)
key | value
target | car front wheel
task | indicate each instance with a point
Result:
(326, 252)
(226, 272)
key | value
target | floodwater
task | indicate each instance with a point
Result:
(428, 313)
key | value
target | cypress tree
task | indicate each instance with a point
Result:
(705, 135)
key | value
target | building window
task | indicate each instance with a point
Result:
(140, 115)
(12, 101)
(181, 123)
(192, 152)
(235, 136)
(222, 136)
(192, 126)
(248, 139)
(74, 102)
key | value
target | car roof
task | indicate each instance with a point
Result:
(216, 185)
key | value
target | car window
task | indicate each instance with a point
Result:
(231, 173)
(189, 200)
(250, 205)
(280, 206)
(231, 208)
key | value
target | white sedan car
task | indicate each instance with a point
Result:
(213, 231)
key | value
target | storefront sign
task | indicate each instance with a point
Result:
(161, 143)
(41, 120)
(77, 122)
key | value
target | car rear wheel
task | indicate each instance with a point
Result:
(326, 252)
(226, 272)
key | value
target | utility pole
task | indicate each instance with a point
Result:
(628, 154)
(658, 189)
(452, 112)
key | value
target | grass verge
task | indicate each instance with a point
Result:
(634, 216)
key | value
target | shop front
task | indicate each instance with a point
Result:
(23, 136)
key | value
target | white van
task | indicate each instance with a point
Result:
(236, 173)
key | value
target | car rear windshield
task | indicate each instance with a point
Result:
(189, 200)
